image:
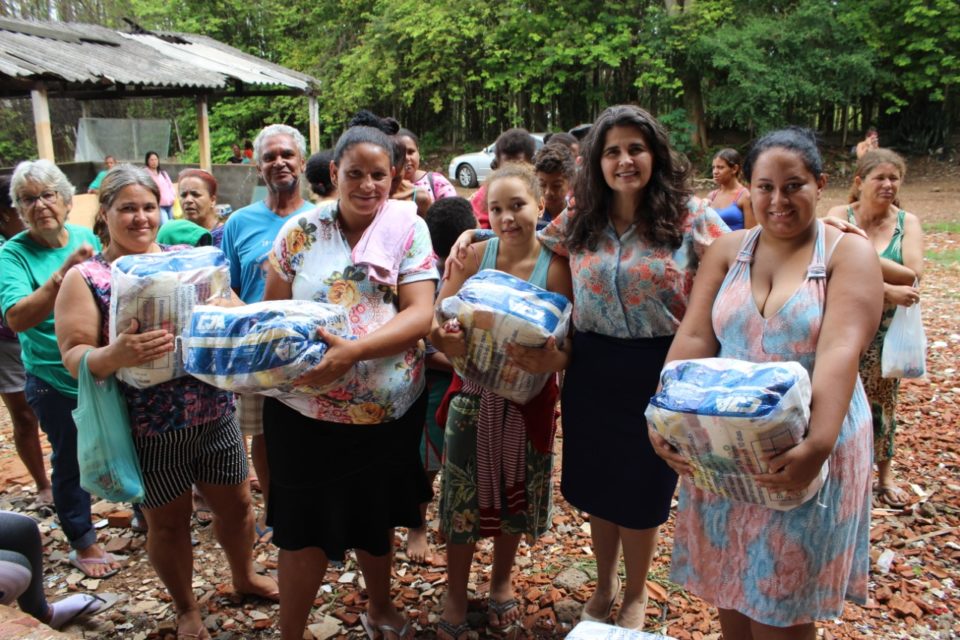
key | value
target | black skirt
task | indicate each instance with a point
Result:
(343, 486)
(610, 469)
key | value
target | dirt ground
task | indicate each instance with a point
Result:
(916, 595)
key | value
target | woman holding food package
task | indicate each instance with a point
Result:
(787, 290)
(372, 257)
(633, 240)
(498, 454)
(184, 430)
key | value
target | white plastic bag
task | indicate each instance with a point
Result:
(904, 353)
(724, 415)
(159, 290)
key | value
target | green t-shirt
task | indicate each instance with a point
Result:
(24, 267)
(96, 181)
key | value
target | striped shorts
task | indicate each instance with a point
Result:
(171, 462)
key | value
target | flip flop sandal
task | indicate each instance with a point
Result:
(96, 604)
(83, 564)
(888, 495)
(381, 630)
(453, 631)
(205, 519)
(500, 609)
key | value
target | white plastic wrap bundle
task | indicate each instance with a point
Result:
(159, 290)
(600, 631)
(494, 309)
(723, 415)
(261, 347)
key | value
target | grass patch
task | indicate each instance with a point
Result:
(948, 257)
(944, 226)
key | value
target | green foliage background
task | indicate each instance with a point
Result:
(462, 72)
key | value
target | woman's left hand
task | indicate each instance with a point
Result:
(545, 359)
(843, 225)
(340, 356)
(794, 469)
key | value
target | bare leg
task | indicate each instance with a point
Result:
(766, 632)
(233, 526)
(606, 549)
(26, 438)
(459, 559)
(734, 624)
(258, 450)
(301, 573)
(376, 573)
(501, 578)
(170, 553)
(418, 547)
(639, 547)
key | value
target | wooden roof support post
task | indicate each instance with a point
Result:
(203, 132)
(314, 124)
(41, 121)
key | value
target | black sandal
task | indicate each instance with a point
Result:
(453, 631)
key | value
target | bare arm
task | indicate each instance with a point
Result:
(749, 221)
(695, 337)
(33, 309)
(551, 356)
(452, 344)
(851, 317)
(78, 331)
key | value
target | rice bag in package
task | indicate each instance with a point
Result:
(159, 290)
(588, 630)
(494, 309)
(261, 347)
(723, 415)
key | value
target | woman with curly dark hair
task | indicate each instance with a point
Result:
(634, 245)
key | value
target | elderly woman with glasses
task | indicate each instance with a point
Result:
(32, 266)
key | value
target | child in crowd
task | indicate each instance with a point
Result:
(447, 219)
(555, 169)
(495, 449)
(513, 145)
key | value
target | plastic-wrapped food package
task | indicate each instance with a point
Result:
(494, 309)
(723, 415)
(600, 631)
(261, 347)
(159, 290)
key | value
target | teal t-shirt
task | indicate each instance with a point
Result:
(248, 237)
(24, 267)
(96, 181)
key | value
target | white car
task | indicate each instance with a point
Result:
(471, 169)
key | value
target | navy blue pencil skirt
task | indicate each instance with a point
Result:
(610, 469)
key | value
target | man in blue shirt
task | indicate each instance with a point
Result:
(279, 152)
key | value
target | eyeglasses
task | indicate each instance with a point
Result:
(48, 197)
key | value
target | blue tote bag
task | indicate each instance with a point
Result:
(109, 466)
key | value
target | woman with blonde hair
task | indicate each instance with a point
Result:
(898, 239)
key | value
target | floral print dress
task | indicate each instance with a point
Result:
(781, 568)
(312, 254)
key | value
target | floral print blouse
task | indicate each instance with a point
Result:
(311, 253)
(627, 288)
(441, 186)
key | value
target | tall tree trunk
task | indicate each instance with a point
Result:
(693, 100)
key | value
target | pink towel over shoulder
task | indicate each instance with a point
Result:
(388, 238)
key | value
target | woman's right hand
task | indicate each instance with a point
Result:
(901, 294)
(131, 348)
(669, 454)
(449, 338)
(458, 252)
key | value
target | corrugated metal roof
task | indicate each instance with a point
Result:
(90, 54)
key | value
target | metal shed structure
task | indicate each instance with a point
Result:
(46, 60)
